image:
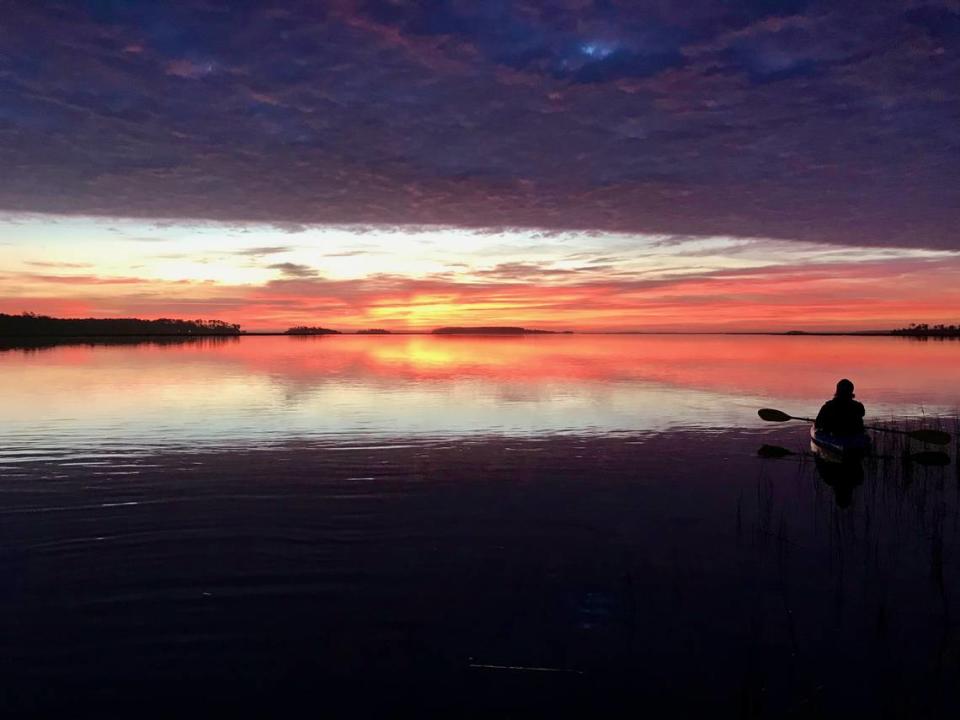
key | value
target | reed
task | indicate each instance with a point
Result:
(882, 557)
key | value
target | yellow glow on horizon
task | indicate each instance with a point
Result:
(430, 310)
(270, 277)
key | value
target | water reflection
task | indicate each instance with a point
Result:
(267, 389)
(402, 522)
(28, 345)
(842, 478)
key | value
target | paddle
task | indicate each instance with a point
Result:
(927, 457)
(930, 457)
(934, 437)
(774, 451)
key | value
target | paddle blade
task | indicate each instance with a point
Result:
(931, 457)
(934, 437)
(773, 451)
(771, 415)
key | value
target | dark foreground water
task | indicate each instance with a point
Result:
(466, 527)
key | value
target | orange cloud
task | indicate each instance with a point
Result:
(868, 295)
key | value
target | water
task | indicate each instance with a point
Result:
(470, 526)
(86, 399)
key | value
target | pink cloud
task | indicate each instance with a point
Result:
(868, 295)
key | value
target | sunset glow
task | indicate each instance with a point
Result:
(411, 279)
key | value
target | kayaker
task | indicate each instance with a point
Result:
(843, 415)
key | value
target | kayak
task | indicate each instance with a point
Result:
(839, 448)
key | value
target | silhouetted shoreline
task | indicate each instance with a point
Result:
(30, 325)
(14, 339)
(33, 325)
(926, 330)
(310, 330)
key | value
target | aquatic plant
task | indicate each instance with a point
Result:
(898, 528)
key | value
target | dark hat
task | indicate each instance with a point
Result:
(844, 388)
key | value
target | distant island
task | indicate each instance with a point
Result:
(921, 330)
(33, 325)
(492, 330)
(307, 330)
(925, 330)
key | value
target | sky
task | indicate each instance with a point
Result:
(564, 164)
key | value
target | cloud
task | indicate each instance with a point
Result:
(809, 295)
(78, 280)
(188, 69)
(290, 227)
(519, 271)
(347, 253)
(67, 265)
(264, 250)
(812, 121)
(294, 270)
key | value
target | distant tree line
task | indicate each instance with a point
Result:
(308, 330)
(926, 330)
(33, 325)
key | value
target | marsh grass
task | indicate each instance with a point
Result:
(887, 561)
(956, 448)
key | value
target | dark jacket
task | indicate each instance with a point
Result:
(841, 416)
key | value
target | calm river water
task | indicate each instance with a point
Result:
(471, 527)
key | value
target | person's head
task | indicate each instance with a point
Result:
(844, 389)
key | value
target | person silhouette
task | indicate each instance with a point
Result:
(842, 415)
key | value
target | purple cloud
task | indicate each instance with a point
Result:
(801, 120)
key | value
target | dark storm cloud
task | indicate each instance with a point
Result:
(816, 121)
